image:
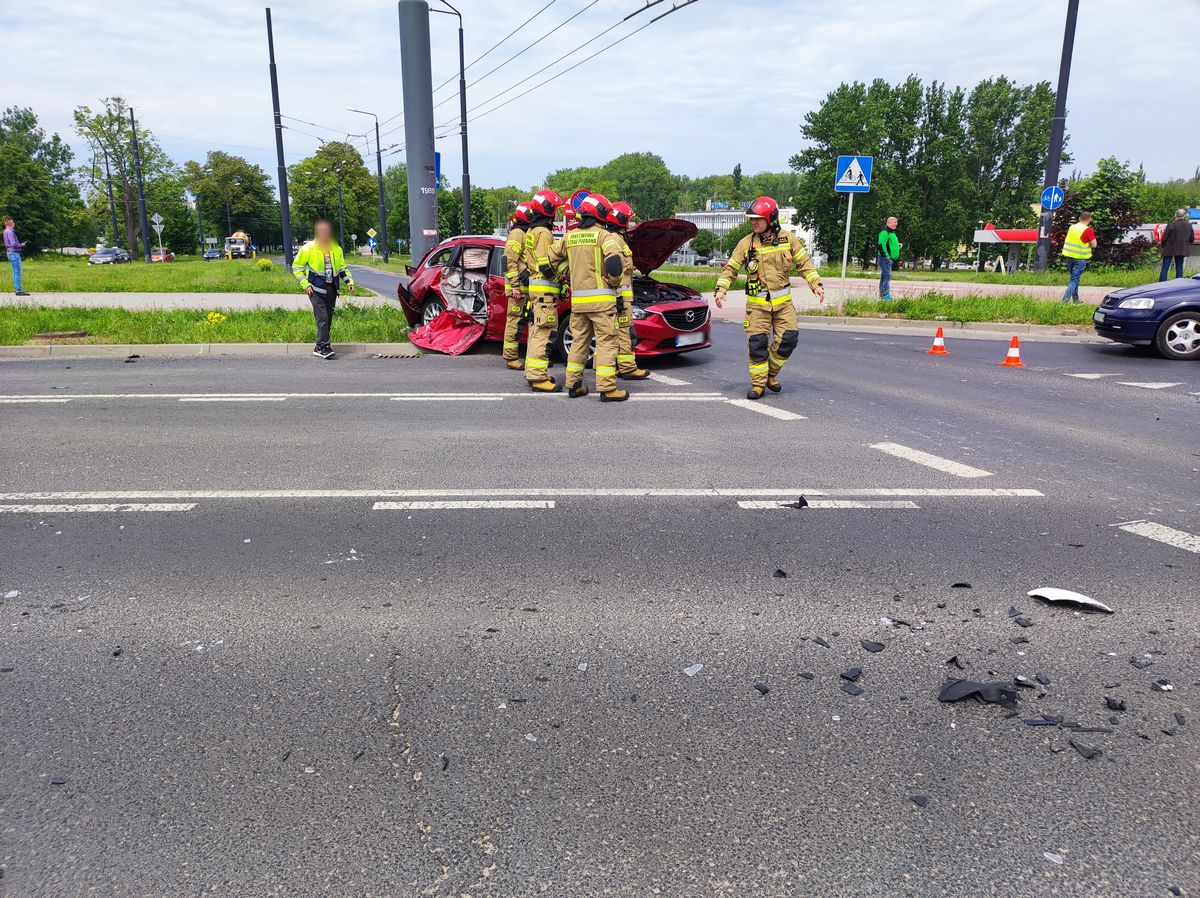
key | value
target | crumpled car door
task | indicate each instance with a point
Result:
(452, 332)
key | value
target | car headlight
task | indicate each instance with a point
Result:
(1136, 302)
(639, 314)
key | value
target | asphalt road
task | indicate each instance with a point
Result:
(273, 661)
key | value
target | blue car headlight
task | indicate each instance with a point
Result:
(1136, 302)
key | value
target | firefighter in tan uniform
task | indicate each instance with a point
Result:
(516, 285)
(544, 291)
(594, 267)
(768, 256)
(619, 218)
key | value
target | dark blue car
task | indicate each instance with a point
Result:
(1164, 315)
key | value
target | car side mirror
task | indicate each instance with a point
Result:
(410, 270)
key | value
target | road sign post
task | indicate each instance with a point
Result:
(853, 175)
(157, 221)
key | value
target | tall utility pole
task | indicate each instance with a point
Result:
(341, 217)
(112, 206)
(200, 225)
(462, 118)
(285, 214)
(137, 161)
(379, 176)
(417, 78)
(1057, 129)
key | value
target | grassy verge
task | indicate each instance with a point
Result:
(351, 324)
(58, 275)
(1093, 277)
(1013, 307)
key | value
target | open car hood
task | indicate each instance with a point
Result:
(653, 242)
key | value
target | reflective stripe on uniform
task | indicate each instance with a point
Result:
(575, 367)
(776, 360)
(627, 293)
(736, 266)
(511, 344)
(605, 371)
(625, 357)
(599, 292)
(1073, 245)
(537, 363)
(770, 300)
(758, 368)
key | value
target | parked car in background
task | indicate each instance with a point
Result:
(959, 266)
(1165, 315)
(467, 273)
(211, 253)
(165, 256)
(108, 255)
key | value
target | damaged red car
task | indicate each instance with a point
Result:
(467, 273)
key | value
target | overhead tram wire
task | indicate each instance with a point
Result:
(497, 44)
(564, 71)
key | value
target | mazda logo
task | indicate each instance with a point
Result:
(691, 315)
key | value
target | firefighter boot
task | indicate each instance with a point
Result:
(549, 385)
(755, 393)
(577, 391)
(773, 384)
(635, 374)
(614, 396)
(514, 364)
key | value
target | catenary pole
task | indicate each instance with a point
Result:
(1057, 131)
(417, 78)
(285, 215)
(137, 162)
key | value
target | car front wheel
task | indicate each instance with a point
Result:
(1179, 336)
(431, 309)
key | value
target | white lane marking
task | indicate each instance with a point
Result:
(833, 503)
(27, 397)
(1150, 385)
(755, 405)
(669, 381)
(623, 492)
(1092, 376)
(469, 503)
(112, 506)
(447, 399)
(664, 397)
(958, 469)
(1180, 539)
(25, 401)
(232, 398)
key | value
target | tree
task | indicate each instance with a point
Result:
(395, 189)
(704, 242)
(233, 195)
(737, 177)
(109, 130)
(644, 181)
(734, 236)
(36, 186)
(313, 190)
(1159, 200)
(1111, 194)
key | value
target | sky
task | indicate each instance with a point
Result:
(714, 84)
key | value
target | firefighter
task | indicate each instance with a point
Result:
(516, 284)
(619, 218)
(544, 291)
(768, 255)
(595, 266)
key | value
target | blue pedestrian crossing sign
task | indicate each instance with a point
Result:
(1052, 197)
(853, 174)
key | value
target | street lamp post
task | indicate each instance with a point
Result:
(379, 175)
(462, 117)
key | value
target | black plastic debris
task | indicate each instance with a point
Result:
(1056, 596)
(1040, 722)
(762, 688)
(1053, 718)
(58, 780)
(117, 652)
(1115, 704)
(1162, 686)
(852, 674)
(819, 641)
(920, 800)
(1180, 719)
(962, 584)
(799, 503)
(994, 692)
(1019, 640)
(954, 662)
(1141, 735)
(807, 674)
(1093, 729)
(445, 763)
(872, 646)
(1013, 612)
(358, 754)
(1024, 682)
(283, 757)
(851, 689)
(779, 573)
(1042, 678)
(1175, 890)
(1088, 752)
(490, 630)
(941, 604)
(1024, 622)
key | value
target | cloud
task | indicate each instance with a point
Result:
(714, 84)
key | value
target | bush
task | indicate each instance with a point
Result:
(264, 264)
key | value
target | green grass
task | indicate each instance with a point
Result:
(1013, 307)
(351, 324)
(1098, 276)
(58, 275)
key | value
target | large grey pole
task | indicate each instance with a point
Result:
(137, 161)
(1057, 129)
(416, 73)
(285, 213)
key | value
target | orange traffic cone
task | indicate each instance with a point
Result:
(939, 344)
(1013, 359)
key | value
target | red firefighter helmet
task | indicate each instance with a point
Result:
(521, 214)
(620, 215)
(545, 202)
(765, 207)
(597, 206)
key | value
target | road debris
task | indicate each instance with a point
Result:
(993, 692)
(852, 674)
(694, 669)
(12, 594)
(58, 780)
(762, 688)
(529, 737)
(962, 584)
(1115, 704)
(1089, 753)
(582, 667)
(920, 800)
(1042, 678)
(1056, 596)
(873, 647)
(851, 689)
(1052, 857)
(780, 573)
(819, 641)
(954, 662)
(1024, 622)
(1162, 686)
(807, 674)
(799, 503)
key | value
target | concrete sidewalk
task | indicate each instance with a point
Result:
(162, 350)
(142, 302)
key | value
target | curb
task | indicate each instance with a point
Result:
(166, 350)
(1081, 332)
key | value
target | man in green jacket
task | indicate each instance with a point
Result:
(889, 252)
(319, 267)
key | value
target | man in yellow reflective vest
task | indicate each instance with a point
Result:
(1077, 249)
(768, 255)
(544, 291)
(594, 267)
(619, 217)
(516, 285)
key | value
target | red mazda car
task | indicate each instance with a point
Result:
(468, 273)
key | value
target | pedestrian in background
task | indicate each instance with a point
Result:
(1176, 238)
(319, 267)
(1077, 249)
(889, 252)
(13, 248)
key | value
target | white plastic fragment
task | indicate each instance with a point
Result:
(1052, 857)
(12, 593)
(583, 666)
(1055, 595)
(694, 669)
(310, 770)
(529, 737)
